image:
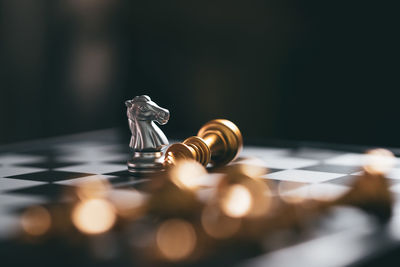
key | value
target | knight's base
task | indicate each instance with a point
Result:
(146, 163)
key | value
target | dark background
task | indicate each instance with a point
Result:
(287, 69)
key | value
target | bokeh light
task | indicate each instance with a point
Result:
(292, 192)
(176, 239)
(261, 197)
(253, 171)
(94, 216)
(127, 202)
(187, 174)
(236, 201)
(95, 188)
(218, 225)
(379, 161)
(36, 221)
(326, 191)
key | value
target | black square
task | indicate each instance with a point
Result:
(50, 191)
(272, 170)
(50, 176)
(125, 179)
(350, 179)
(332, 168)
(124, 174)
(122, 162)
(345, 180)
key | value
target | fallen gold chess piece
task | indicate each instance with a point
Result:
(218, 142)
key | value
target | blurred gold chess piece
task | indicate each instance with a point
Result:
(218, 142)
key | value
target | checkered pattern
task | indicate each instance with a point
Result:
(35, 176)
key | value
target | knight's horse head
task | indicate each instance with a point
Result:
(143, 109)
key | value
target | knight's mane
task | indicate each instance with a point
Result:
(141, 98)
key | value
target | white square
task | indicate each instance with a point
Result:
(10, 159)
(13, 184)
(395, 188)
(303, 176)
(94, 167)
(249, 161)
(349, 159)
(354, 159)
(82, 145)
(264, 152)
(9, 225)
(93, 156)
(321, 191)
(393, 173)
(288, 162)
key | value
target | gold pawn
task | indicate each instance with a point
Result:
(218, 142)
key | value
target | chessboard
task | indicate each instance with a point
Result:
(36, 173)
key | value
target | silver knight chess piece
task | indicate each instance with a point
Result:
(147, 141)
